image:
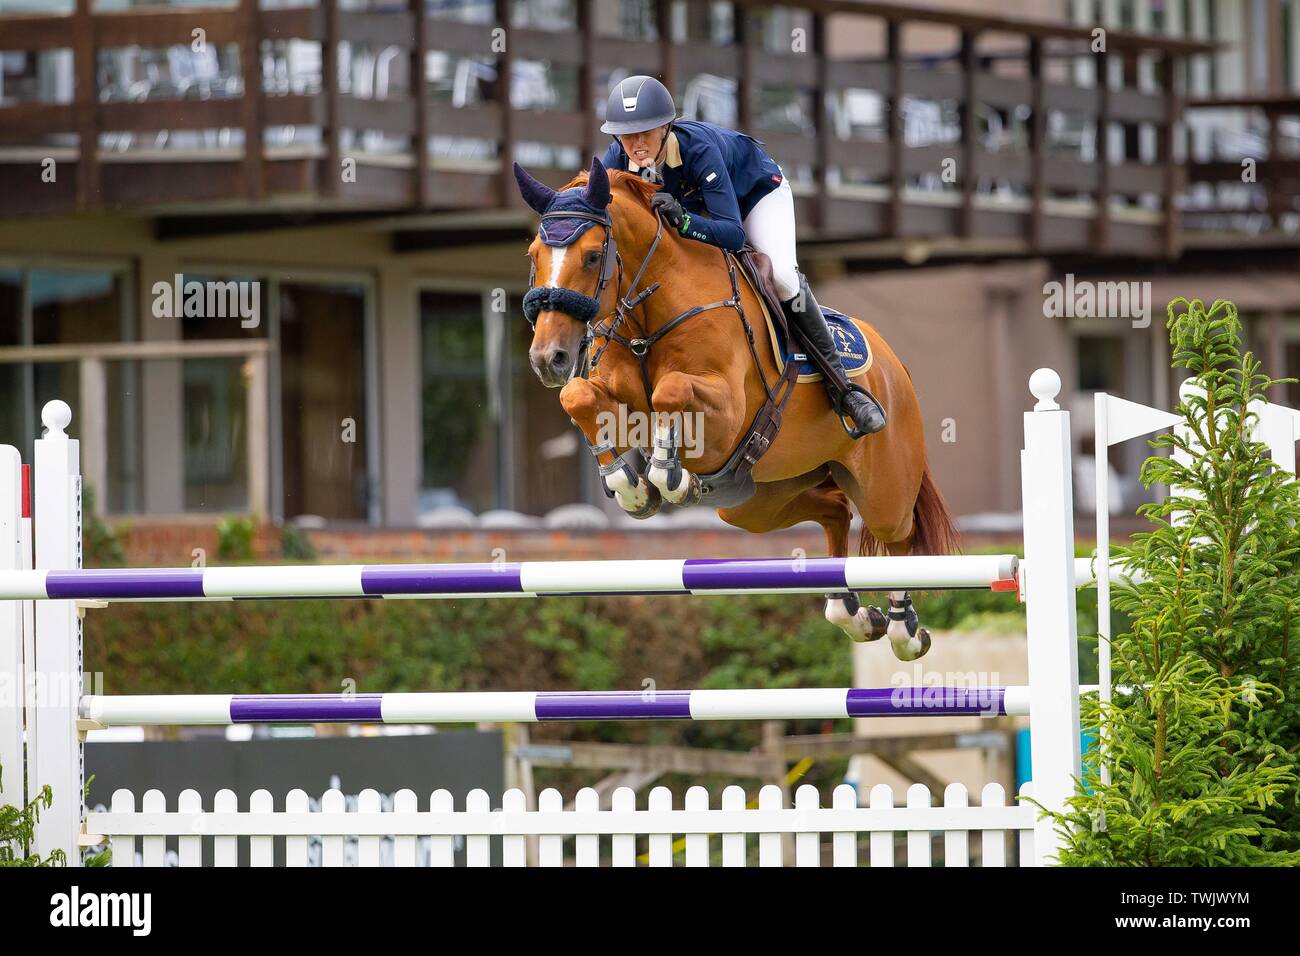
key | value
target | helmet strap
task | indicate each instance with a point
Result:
(662, 141)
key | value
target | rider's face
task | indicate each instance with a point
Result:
(643, 147)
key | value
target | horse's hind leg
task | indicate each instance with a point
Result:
(908, 639)
(891, 529)
(843, 610)
(811, 497)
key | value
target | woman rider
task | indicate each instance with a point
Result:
(720, 187)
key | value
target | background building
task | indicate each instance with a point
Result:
(377, 376)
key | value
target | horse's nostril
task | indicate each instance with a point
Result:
(560, 359)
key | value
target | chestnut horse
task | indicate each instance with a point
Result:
(609, 249)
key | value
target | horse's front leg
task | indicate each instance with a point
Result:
(589, 403)
(683, 405)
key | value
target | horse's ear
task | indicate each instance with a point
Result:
(537, 195)
(597, 184)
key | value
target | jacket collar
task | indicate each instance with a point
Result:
(672, 154)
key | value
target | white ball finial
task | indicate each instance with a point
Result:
(57, 416)
(1045, 385)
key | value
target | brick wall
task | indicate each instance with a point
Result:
(173, 544)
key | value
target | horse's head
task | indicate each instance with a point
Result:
(574, 258)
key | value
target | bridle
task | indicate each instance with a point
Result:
(735, 477)
(607, 327)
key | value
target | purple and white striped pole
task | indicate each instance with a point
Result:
(541, 706)
(523, 579)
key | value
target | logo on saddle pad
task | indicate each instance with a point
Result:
(849, 342)
(844, 343)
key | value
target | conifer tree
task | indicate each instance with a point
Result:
(1203, 732)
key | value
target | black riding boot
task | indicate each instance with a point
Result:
(848, 398)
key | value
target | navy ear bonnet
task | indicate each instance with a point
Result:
(562, 231)
(588, 204)
(589, 200)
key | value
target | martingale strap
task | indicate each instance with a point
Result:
(760, 435)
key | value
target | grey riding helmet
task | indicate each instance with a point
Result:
(638, 104)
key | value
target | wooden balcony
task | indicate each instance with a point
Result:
(1243, 170)
(997, 174)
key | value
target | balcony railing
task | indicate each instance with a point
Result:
(996, 132)
(1243, 168)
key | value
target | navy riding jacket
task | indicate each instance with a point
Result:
(717, 174)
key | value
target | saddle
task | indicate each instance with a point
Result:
(733, 483)
(758, 269)
(788, 342)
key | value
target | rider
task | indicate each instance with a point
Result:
(720, 187)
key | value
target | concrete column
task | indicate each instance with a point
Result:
(161, 393)
(1003, 379)
(1274, 350)
(1199, 28)
(1230, 33)
(398, 336)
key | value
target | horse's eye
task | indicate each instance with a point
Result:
(592, 258)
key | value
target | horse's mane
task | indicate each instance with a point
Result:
(640, 189)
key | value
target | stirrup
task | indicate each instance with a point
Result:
(846, 421)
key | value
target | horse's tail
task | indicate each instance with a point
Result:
(934, 531)
(933, 528)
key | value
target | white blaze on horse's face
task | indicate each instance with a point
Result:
(557, 264)
(556, 349)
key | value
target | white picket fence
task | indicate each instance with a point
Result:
(373, 832)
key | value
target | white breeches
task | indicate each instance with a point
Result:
(769, 227)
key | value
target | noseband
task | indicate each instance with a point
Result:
(571, 302)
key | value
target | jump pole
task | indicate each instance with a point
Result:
(518, 579)
(543, 706)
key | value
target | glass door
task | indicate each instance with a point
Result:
(324, 428)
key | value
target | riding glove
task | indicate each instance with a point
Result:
(673, 213)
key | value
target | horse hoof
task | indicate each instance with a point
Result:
(879, 623)
(864, 630)
(914, 647)
(652, 503)
(692, 492)
(851, 618)
(688, 494)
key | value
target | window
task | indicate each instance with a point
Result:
(321, 437)
(493, 435)
(460, 443)
(214, 467)
(63, 305)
